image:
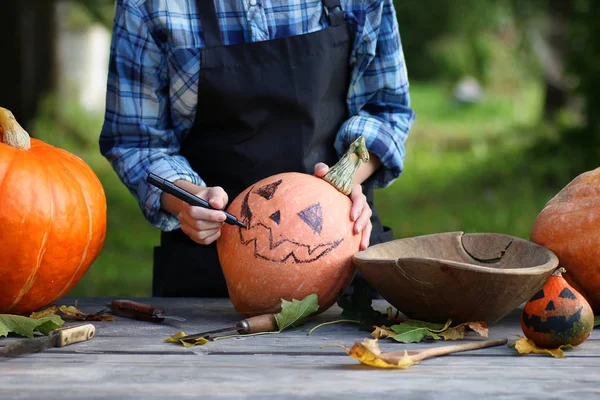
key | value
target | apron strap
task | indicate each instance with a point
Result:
(334, 12)
(210, 23)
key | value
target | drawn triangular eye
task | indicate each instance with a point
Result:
(268, 191)
(313, 217)
(276, 216)
(538, 295)
(567, 294)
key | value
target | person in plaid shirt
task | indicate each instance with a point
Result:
(215, 95)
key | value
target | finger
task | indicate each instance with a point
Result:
(192, 213)
(359, 202)
(217, 197)
(366, 236)
(203, 236)
(363, 219)
(321, 169)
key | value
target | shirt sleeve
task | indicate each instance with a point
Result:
(137, 137)
(378, 98)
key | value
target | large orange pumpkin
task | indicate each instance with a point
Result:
(52, 219)
(569, 225)
(299, 238)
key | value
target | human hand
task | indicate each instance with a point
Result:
(360, 212)
(202, 225)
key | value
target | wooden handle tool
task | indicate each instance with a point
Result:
(257, 324)
(57, 338)
(140, 311)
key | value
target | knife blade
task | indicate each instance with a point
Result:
(257, 324)
(141, 311)
(57, 338)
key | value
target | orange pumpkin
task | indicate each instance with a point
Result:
(52, 219)
(557, 315)
(569, 225)
(299, 238)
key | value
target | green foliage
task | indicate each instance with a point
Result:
(450, 39)
(295, 312)
(25, 326)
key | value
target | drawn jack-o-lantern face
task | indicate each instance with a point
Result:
(270, 232)
(557, 315)
(547, 310)
(299, 241)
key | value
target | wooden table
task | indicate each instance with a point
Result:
(128, 359)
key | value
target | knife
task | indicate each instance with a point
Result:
(140, 311)
(57, 338)
(257, 324)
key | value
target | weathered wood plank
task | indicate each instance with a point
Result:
(151, 376)
(128, 359)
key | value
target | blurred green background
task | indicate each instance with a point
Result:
(504, 90)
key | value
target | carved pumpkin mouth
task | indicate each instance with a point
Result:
(276, 248)
(551, 323)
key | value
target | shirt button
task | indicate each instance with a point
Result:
(252, 3)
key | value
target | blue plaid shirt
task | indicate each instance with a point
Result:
(155, 66)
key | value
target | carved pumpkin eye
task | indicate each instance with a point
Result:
(313, 217)
(566, 294)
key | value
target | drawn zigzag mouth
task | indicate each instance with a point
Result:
(286, 249)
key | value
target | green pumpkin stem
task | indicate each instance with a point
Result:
(559, 271)
(341, 175)
(11, 133)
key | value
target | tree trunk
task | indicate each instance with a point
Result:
(556, 85)
(28, 32)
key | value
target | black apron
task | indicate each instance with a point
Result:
(263, 108)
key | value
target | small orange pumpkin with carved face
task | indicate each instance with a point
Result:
(557, 315)
(299, 238)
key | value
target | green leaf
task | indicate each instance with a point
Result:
(409, 334)
(433, 327)
(25, 326)
(294, 312)
(415, 331)
(597, 321)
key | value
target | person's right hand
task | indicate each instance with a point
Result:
(202, 225)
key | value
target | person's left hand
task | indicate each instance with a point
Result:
(360, 211)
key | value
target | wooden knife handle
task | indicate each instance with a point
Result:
(75, 334)
(135, 310)
(260, 323)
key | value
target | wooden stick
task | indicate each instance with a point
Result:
(418, 355)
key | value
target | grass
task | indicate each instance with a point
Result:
(467, 169)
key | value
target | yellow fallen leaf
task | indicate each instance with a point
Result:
(368, 353)
(44, 312)
(381, 332)
(71, 311)
(526, 346)
(186, 343)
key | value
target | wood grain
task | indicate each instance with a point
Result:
(128, 359)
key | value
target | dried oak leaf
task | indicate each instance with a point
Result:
(526, 346)
(73, 312)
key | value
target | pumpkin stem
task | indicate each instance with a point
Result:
(11, 133)
(559, 272)
(342, 173)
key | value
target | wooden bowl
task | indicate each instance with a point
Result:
(463, 277)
